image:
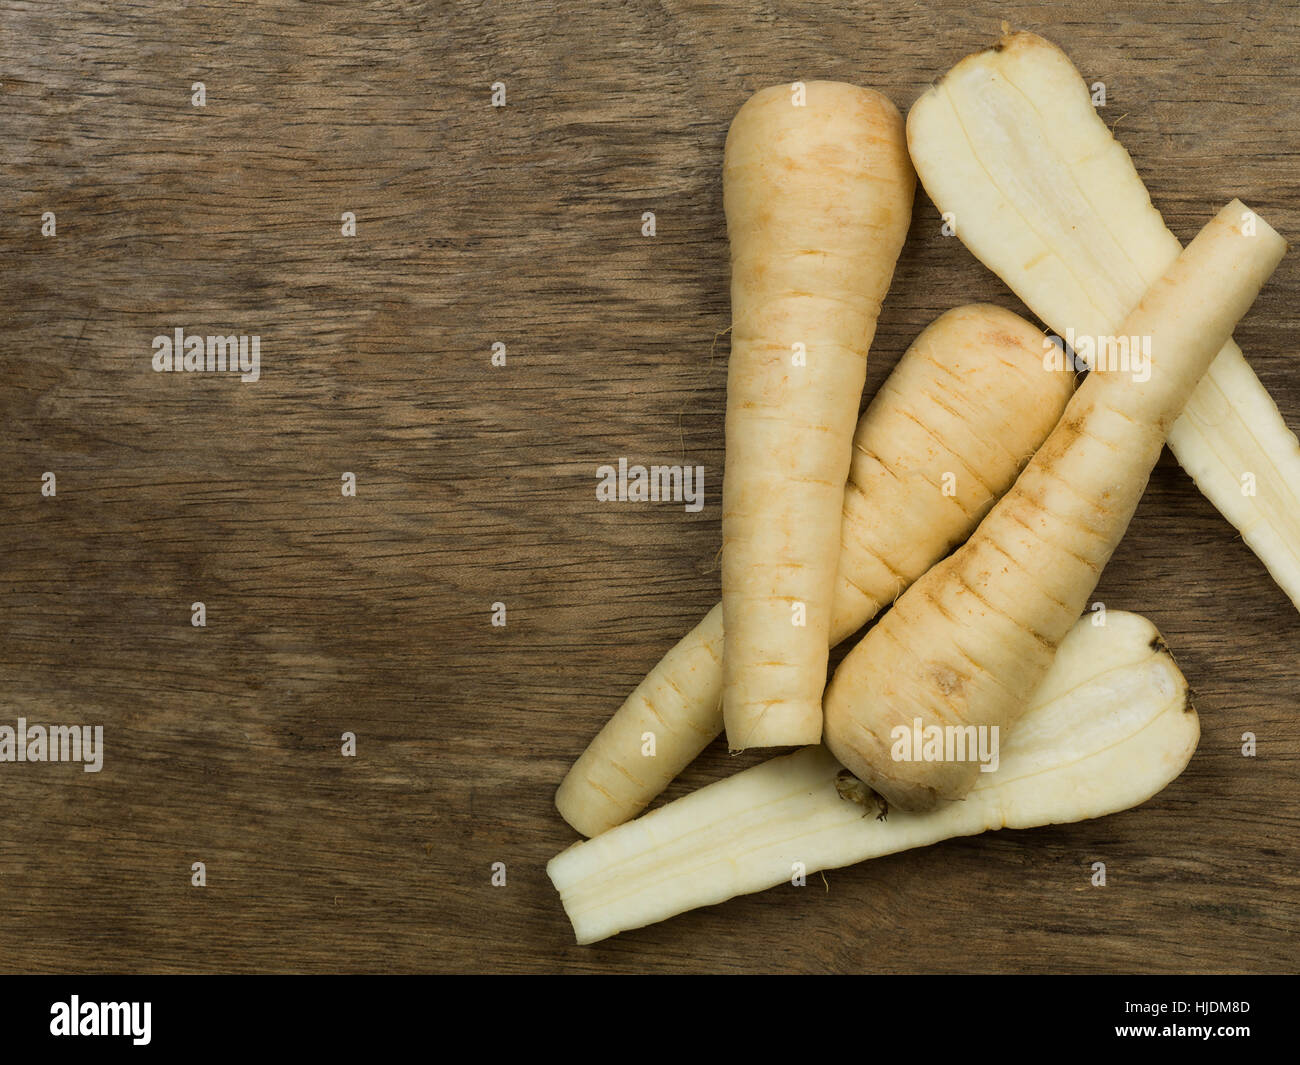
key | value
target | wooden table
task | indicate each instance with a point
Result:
(325, 613)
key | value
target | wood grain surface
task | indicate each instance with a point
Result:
(475, 484)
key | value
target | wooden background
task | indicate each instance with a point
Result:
(476, 484)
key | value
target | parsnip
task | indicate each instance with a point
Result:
(1009, 144)
(968, 643)
(817, 189)
(947, 433)
(1109, 728)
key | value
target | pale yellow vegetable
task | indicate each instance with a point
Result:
(817, 189)
(1009, 145)
(964, 409)
(1109, 728)
(969, 642)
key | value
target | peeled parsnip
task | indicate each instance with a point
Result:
(964, 409)
(1109, 728)
(1009, 144)
(817, 189)
(968, 643)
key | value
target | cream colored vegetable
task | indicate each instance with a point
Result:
(817, 189)
(1011, 146)
(968, 643)
(965, 407)
(1109, 728)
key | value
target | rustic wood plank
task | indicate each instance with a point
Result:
(476, 484)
